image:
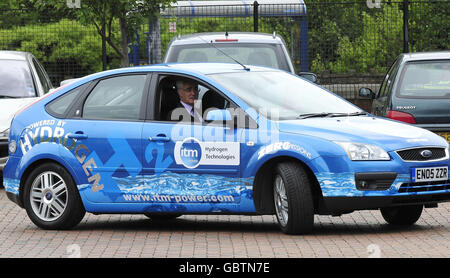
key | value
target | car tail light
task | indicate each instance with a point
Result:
(401, 116)
(226, 40)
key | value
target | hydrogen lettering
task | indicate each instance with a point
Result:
(96, 179)
(42, 132)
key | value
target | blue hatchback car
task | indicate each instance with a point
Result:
(168, 140)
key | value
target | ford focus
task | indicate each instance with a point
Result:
(179, 139)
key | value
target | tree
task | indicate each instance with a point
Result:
(429, 26)
(64, 54)
(103, 13)
(377, 46)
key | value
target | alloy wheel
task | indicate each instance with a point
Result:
(48, 196)
(281, 201)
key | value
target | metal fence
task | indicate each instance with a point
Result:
(347, 44)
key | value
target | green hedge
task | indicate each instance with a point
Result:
(66, 48)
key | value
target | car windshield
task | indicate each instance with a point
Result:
(425, 80)
(257, 54)
(16, 80)
(283, 96)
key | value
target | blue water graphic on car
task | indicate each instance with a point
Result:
(170, 183)
(343, 184)
(168, 188)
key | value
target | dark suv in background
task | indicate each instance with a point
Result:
(416, 90)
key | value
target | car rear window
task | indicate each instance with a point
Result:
(58, 107)
(116, 98)
(268, 55)
(16, 80)
(425, 80)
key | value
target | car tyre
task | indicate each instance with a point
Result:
(404, 215)
(293, 200)
(51, 198)
(158, 217)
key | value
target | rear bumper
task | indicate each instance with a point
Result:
(3, 161)
(14, 198)
(339, 205)
(3, 155)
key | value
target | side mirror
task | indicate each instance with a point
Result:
(218, 115)
(309, 76)
(367, 93)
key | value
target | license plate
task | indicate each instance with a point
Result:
(445, 135)
(430, 174)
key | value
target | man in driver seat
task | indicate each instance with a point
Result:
(187, 90)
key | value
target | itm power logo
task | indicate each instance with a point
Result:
(190, 152)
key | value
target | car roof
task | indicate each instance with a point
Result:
(182, 68)
(241, 37)
(422, 56)
(13, 55)
(212, 68)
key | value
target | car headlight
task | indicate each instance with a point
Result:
(361, 151)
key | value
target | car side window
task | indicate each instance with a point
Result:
(386, 86)
(43, 78)
(170, 100)
(58, 107)
(116, 98)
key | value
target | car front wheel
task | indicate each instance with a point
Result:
(293, 200)
(51, 198)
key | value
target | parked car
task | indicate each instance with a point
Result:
(269, 143)
(260, 49)
(23, 79)
(416, 90)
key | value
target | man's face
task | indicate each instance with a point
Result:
(188, 92)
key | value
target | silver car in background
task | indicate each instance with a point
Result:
(22, 81)
(257, 49)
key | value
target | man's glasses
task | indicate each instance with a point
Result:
(190, 89)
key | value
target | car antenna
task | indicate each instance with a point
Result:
(224, 53)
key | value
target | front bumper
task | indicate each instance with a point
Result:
(340, 205)
(378, 184)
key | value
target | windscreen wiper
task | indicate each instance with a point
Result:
(325, 114)
(313, 115)
(360, 113)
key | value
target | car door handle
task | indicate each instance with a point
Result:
(77, 135)
(159, 139)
